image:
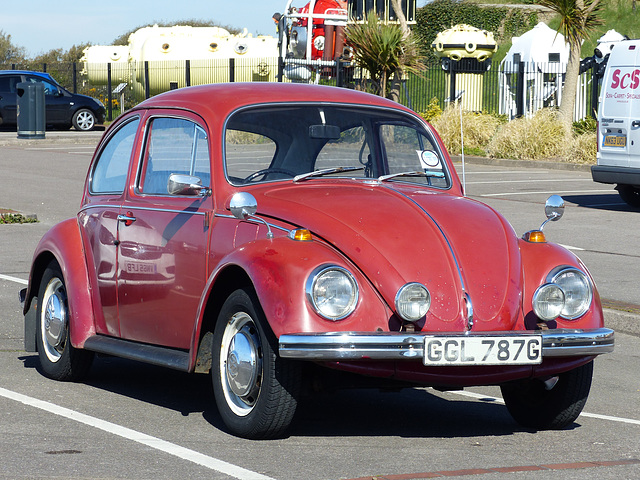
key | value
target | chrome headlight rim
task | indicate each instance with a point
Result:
(536, 303)
(554, 277)
(312, 283)
(401, 291)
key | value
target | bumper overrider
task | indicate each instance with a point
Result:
(334, 346)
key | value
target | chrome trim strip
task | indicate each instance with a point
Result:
(148, 209)
(253, 220)
(332, 346)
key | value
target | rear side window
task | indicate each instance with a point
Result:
(8, 83)
(110, 171)
(174, 146)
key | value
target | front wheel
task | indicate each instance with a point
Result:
(255, 390)
(84, 120)
(551, 405)
(58, 358)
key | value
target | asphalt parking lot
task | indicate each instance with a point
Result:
(131, 420)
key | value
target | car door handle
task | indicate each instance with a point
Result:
(635, 123)
(128, 219)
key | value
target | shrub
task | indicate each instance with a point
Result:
(583, 149)
(479, 128)
(433, 110)
(540, 137)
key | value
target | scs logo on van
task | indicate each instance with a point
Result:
(623, 79)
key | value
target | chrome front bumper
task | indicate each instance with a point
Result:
(333, 346)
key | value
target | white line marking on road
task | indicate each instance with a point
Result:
(479, 396)
(563, 180)
(14, 279)
(544, 193)
(569, 247)
(129, 434)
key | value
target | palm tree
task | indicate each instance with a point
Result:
(577, 19)
(382, 50)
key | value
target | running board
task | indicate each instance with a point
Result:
(141, 352)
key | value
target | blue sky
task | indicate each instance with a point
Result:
(42, 25)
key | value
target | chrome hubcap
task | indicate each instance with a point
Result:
(85, 121)
(54, 319)
(241, 361)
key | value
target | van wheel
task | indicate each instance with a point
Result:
(630, 194)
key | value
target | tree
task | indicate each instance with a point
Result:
(382, 50)
(9, 53)
(577, 19)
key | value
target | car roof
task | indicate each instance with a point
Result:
(223, 98)
(26, 72)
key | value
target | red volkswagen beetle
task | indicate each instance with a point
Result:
(271, 234)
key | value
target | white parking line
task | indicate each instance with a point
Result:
(153, 442)
(489, 398)
(14, 279)
(545, 193)
(563, 180)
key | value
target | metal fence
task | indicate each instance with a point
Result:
(513, 90)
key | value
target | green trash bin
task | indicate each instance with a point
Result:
(31, 110)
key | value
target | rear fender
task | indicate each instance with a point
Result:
(62, 243)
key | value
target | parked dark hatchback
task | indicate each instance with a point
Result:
(63, 108)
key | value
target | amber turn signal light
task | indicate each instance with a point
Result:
(300, 235)
(534, 236)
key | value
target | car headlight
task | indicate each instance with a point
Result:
(548, 301)
(577, 291)
(413, 301)
(333, 292)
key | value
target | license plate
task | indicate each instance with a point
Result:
(483, 350)
(614, 141)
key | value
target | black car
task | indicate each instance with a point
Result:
(63, 108)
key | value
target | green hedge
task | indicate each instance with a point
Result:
(443, 14)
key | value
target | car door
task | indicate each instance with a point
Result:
(57, 104)
(9, 98)
(163, 238)
(98, 221)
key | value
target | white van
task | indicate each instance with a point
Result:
(619, 123)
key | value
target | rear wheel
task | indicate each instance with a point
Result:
(255, 390)
(551, 405)
(58, 358)
(630, 194)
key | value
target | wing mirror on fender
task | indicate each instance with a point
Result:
(553, 209)
(244, 206)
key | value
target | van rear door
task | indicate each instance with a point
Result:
(619, 113)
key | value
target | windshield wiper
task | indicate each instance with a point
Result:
(416, 173)
(325, 171)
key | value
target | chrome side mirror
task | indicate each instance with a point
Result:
(179, 184)
(243, 206)
(553, 209)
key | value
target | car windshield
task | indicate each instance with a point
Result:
(305, 142)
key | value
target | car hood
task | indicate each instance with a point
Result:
(401, 234)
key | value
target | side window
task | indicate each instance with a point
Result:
(49, 88)
(110, 171)
(8, 83)
(174, 146)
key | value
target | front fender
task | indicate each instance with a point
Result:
(538, 259)
(278, 270)
(63, 243)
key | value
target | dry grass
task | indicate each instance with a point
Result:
(541, 137)
(479, 128)
(583, 149)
